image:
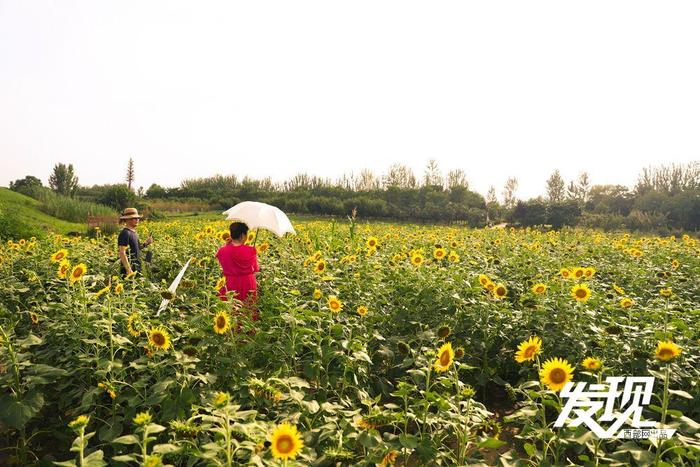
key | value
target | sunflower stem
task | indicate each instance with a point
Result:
(664, 408)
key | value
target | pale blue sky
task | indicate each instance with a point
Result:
(273, 88)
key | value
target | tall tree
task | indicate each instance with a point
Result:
(432, 176)
(368, 181)
(130, 173)
(491, 199)
(580, 190)
(509, 190)
(63, 179)
(400, 176)
(457, 178)
(555, 188)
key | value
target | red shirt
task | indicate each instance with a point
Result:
(239, 263)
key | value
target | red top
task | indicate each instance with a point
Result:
(238, 263)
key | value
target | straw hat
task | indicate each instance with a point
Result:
(130, 213)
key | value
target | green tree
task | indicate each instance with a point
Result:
(130, 173)
(26, 185)
(63, 180)
(555, 188)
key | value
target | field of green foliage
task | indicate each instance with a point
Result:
(377, 344)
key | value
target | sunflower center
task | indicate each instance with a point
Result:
(557, 376)
(158, 339)
(581, 293)
(77, 273)
(445, 358)
(321, 266)
(665, 353)
(220, 322)
(501, 291)
(529, 351)
(540, 289)
(285, 444)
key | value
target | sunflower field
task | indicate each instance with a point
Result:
(377, 344)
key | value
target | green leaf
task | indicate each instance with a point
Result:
(677, 392)
(165, 448)
(124, 458)
(408, 441)
(530, 449)
(95, 459)
(491, 443)
(16, 413)
(367, 440)
(126, 439)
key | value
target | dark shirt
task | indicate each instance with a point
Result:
(130, 239)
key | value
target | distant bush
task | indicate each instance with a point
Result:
(180, 205)
(606, 222)
(69, 209)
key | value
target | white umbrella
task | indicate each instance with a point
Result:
(261, 216)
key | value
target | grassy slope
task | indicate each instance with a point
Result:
(27, 209)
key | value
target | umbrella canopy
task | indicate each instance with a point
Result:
(260, 216)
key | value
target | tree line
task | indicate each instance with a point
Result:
(665, 198)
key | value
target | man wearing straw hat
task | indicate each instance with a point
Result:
(129, 239)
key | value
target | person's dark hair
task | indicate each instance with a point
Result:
(237, 230)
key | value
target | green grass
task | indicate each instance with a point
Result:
(21, 214)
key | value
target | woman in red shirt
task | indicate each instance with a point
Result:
(239, 263)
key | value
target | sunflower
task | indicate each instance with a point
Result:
(372, 242)
(500, 291)
(220, 283)
(484, 279)
(118, 289)
(286, 442)
(77, 273)
(555, 373)
(34, 317)
(335, 304)
(159, 338)
(565, 273)
(529, 349)
(453, 257)
(142, 418)
(317, 294)
(389, 458)
(102, 291)
(262, 248)
(221, 399)
(666, 351)
(132, 325)
(591, 363)
(59, 256)
(221, 322)
(320, 267)
(490, 286)
(417, 259)
(439, 253)
(626, 302)
(539, 289)
(666, 292)
(363, 424)
(79, 422)
(581, 292)
(619, 289)
(362, 310)
(63, 269)
(445, 358)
